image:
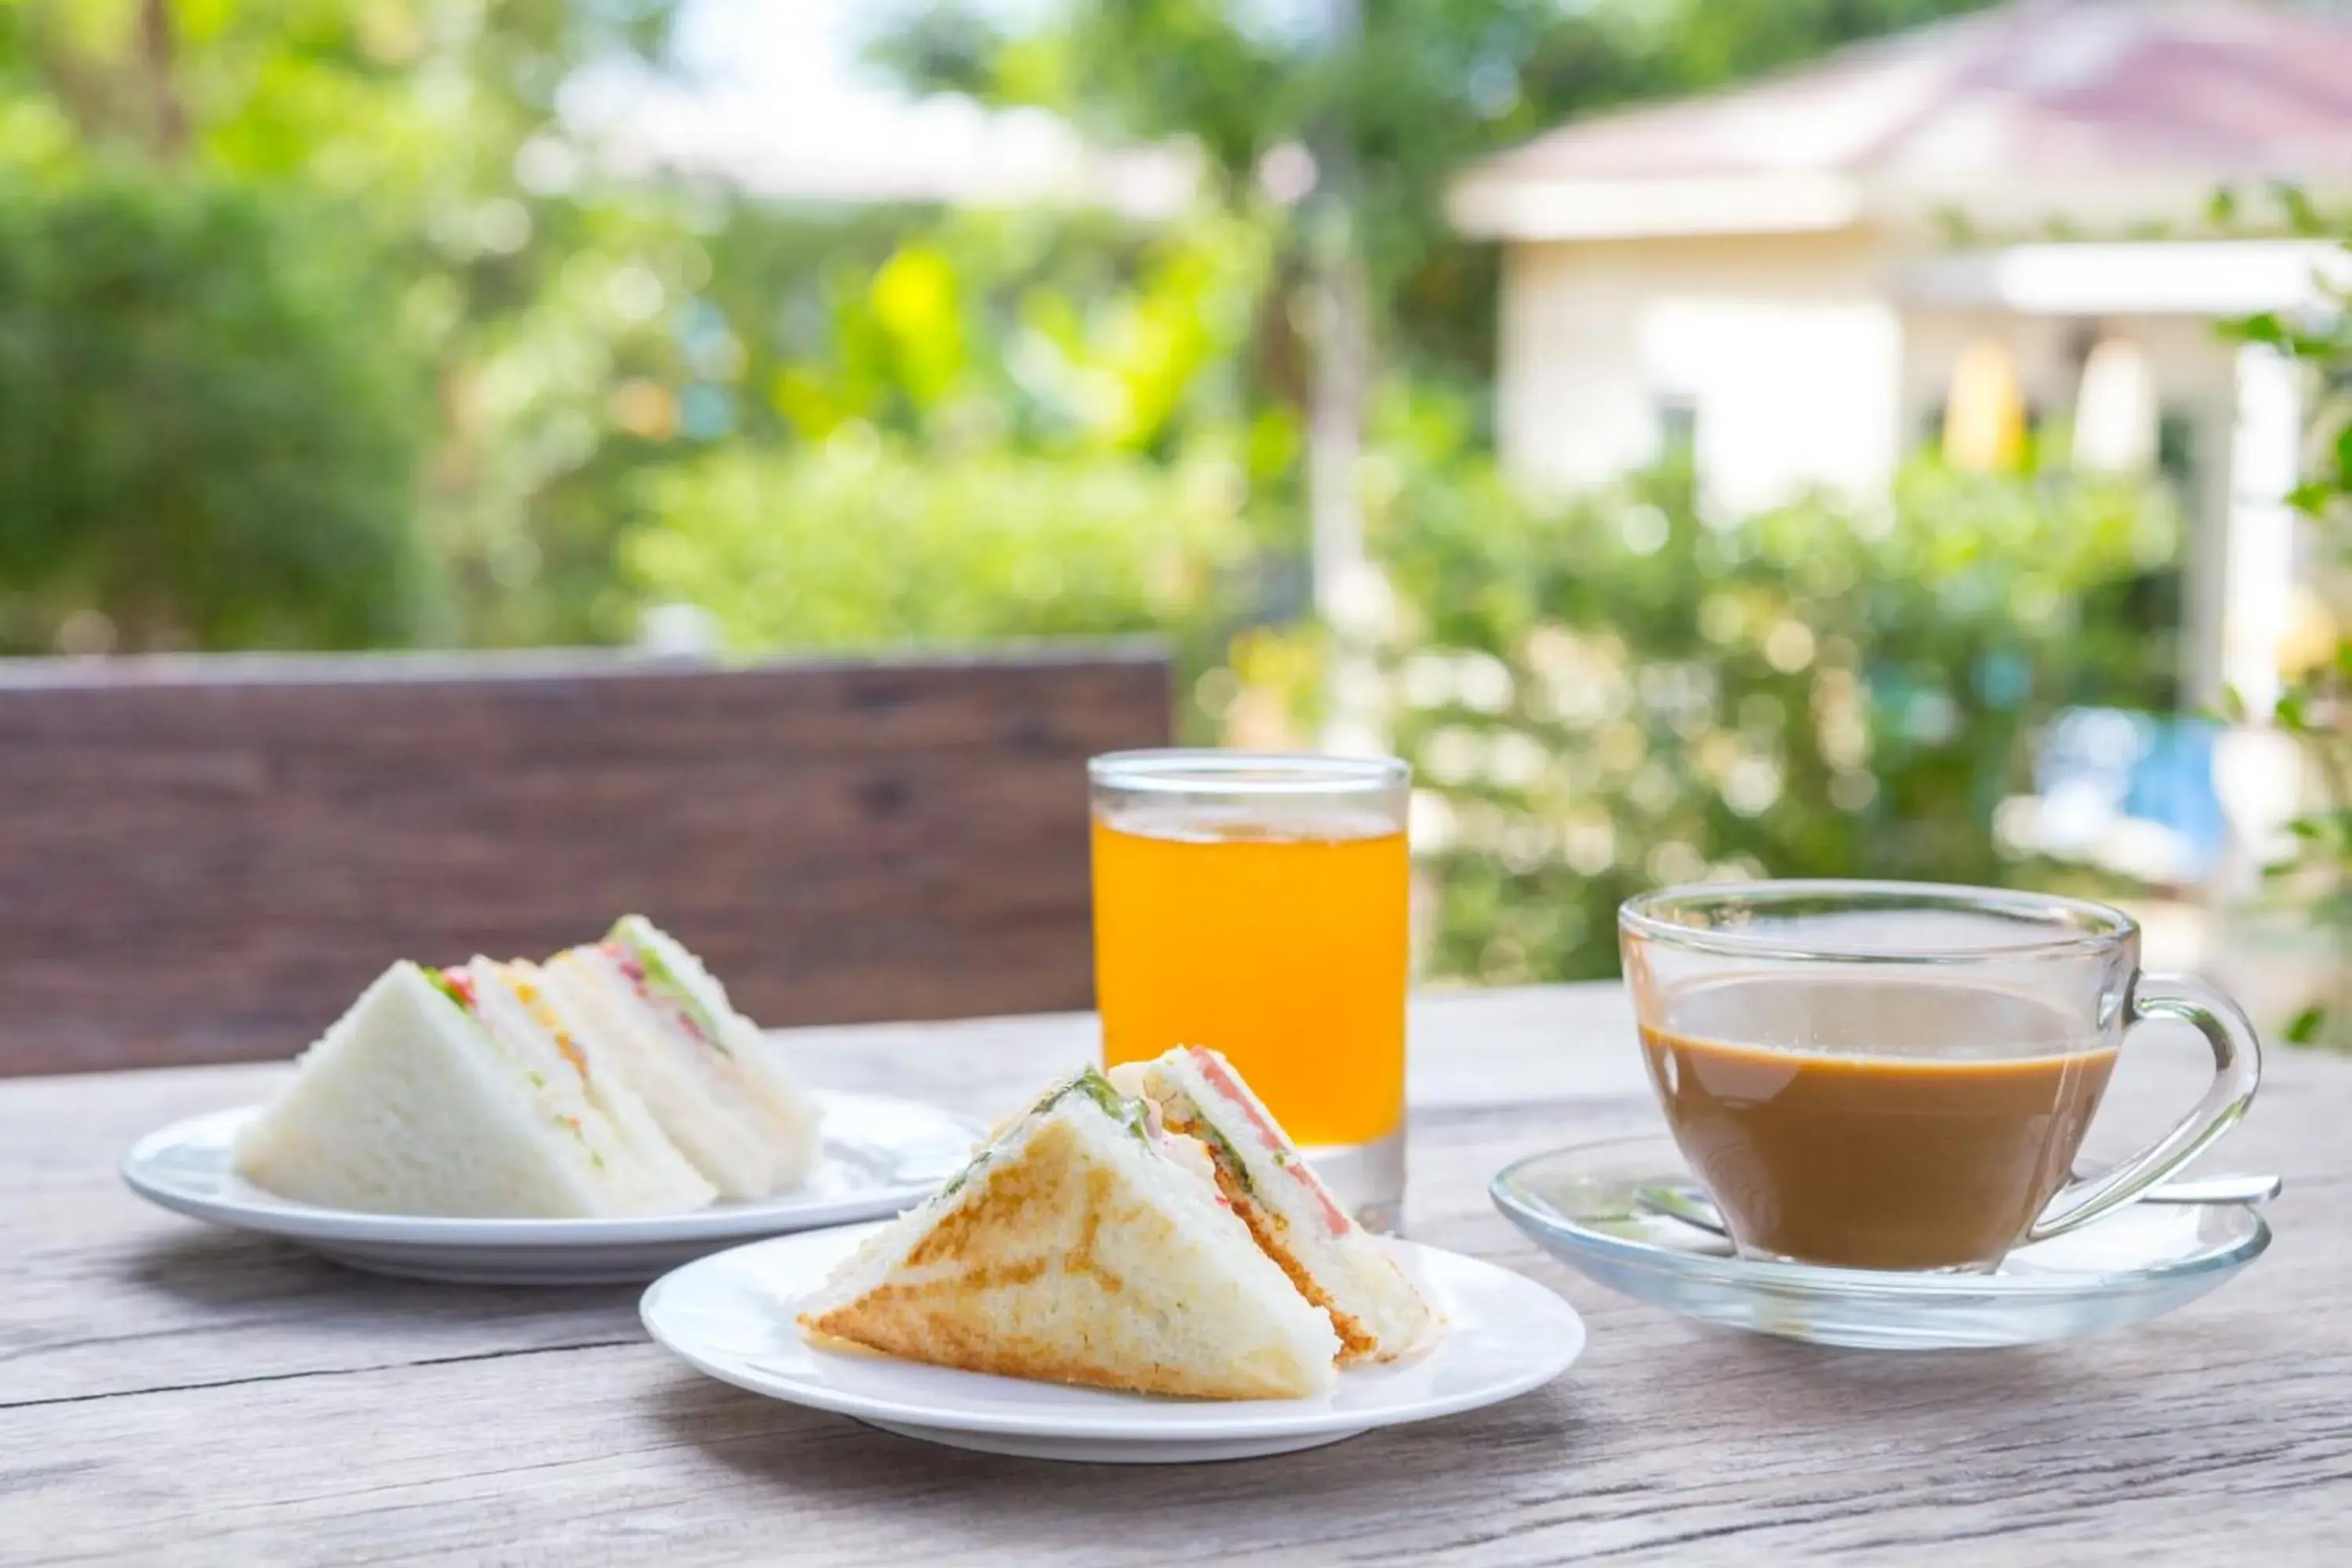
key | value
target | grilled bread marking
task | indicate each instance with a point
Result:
(1079, 1245)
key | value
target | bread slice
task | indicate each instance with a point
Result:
(718, 1086)
(643, 1170)
(1333, 1259)
(1073, 1250)
(422, 1101)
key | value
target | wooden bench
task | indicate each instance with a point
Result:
(204, 859)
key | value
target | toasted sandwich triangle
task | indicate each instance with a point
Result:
(1072, 1259)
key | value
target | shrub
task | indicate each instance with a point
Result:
(864, 539)
(206, 438)
(2313, 875)
(1605, 695)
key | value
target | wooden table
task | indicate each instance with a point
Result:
(169, 1393)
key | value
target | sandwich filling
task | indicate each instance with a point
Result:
(660, 989)
(669, 1014)
(1270, 1138)
(717, 1086)
(1294, 1217)
(515, 1038)
(595, 1111)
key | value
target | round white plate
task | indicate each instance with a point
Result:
(730, 1315)
(881, 1155)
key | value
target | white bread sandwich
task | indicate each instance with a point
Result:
(1080, 1247)
(456, 1092)
(717, 1085)
(1333, 1259)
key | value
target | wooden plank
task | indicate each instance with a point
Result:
(168, 1393)
(200, 868)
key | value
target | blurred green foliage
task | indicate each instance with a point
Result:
(1421, 87)
(861, 539)
(1605, 694)
(1031, 331)
(995, 425)
(317, 326)
(259, 490)
(2315, 705)
(575, 334)
(403, 147)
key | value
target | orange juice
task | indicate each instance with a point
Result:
(1283, 946)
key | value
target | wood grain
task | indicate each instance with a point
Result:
(207, 860)
(169, 1393)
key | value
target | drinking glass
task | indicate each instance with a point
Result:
(1255, 903)
(1890, 1075)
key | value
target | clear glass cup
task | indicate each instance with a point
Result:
(1256, 903)
(1888, 1075)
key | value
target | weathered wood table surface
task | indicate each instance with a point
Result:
(175, 1394)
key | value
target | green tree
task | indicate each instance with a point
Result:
(2315, 705)
(414, 146)
(1040, 330)
(978, 425)
(1401, 100)
(205, 439)
(1379, 101)
(859, 539)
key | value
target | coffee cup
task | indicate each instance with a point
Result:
(1898, 1075)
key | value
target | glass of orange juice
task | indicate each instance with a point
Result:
(1256, 903)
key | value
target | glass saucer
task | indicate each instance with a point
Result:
(2138, 1263)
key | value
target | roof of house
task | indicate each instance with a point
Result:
(2111, 103)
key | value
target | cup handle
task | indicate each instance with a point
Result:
(2237, 1069)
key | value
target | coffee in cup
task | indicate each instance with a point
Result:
(1898, 1076)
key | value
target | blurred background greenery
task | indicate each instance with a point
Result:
(321, 326)
(1621, 692)
(503, 380)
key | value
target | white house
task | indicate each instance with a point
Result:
(1806, 277)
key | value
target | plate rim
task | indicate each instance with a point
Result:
(298, 1221)
(1243, 1418)
(1520, 1207)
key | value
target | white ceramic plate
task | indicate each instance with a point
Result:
(730, 1315)
(881, 1155)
